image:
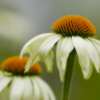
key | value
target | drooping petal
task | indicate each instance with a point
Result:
(48, 44)
(64, 48)
(95, 40)
(17, 89)
(36, 90)
(46, 50)
(34, 43)
(49, 61)
(46, 89)
(28, 91)
(44, 93)
(32, 47)
(81, 48)
(4, 81)
(93, 54)
(96, 43)
(32, 60)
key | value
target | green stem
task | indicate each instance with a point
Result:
(68, 75)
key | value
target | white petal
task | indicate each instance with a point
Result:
(32, 60)
(48, 44)
(96, 43)
(34, 43)
(33, 47)
(17, 89)
(93, 54)
(36, 90)
(64, 48)
(49, 61)
(84, 60)
(4, 81)
(46, 50)
(48, 94)
(28, 93)
(95, 40)
(44, 93)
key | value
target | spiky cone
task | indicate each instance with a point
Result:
(17, 85)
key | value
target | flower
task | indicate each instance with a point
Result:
(70, 33)
(26, 86)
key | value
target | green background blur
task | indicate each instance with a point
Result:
(20, 20)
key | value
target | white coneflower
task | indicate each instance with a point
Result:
(22, 86)
(70, 33)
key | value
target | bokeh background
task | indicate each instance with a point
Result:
(20, 20)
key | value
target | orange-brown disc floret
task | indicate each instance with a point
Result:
(16, 65)
(74, 25)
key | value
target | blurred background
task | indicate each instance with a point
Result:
(20, 20)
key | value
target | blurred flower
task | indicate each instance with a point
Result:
(23, 86)
(70, 33)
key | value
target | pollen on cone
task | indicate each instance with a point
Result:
(16, 65)
(36, 68)
(74, 25)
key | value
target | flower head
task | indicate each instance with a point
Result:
(69, 33)
(16, 65)
(74, 25)
(23, 86)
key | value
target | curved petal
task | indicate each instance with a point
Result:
(49, 61)
(48, 44)
(32, 60)
(48, 94)
(34, 43)
(36, 90)
(4, 81)
(95, 40)
(64, 48)
(43, 49)
(93, 54)
(81, 48)
(96, 43)
(44, 93)
(17, 89)
(33, 48)
(28, 91)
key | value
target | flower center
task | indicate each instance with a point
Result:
(74, 25)
(16, 65)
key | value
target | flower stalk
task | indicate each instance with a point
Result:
(68, 75)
